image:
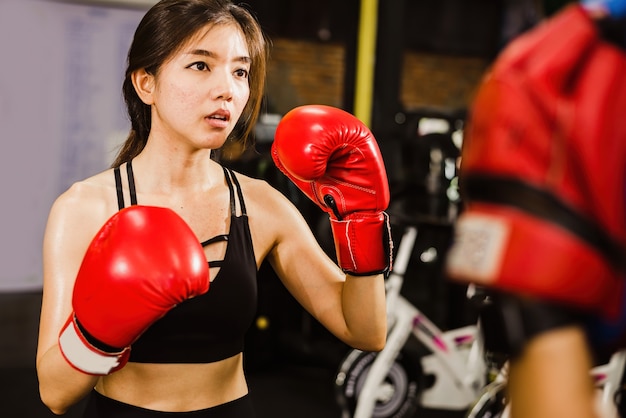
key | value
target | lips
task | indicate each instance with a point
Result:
(222, 115)
(219, 119)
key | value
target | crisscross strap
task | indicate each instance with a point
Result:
(217, 238)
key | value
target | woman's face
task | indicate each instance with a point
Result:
(201, 91)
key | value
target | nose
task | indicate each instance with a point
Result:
(223, 86)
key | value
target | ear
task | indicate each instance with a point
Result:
(144, 85)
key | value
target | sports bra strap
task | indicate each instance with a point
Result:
(233, 207)
(131, 186)
(131, 183)
(118, 188)
(217, 238)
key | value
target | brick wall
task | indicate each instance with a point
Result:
(439, 81)
(303, 72)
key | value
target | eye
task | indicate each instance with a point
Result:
(241, 72)
(199, 66)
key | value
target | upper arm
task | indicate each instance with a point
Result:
(72, 222)
(314, 280)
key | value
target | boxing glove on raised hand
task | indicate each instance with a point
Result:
(143, 262)
(335, 160)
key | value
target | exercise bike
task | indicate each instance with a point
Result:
(394, 382)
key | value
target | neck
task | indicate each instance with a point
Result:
(165, 173)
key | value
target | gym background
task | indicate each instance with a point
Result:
(428, 58)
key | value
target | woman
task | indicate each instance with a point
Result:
(195, 79)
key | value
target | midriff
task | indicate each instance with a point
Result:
(176, 387)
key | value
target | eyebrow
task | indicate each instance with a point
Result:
(205, 53)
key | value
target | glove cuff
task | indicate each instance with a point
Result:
(363, 243)
(82, 355)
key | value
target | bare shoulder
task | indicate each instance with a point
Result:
(265, 200)
(86, 204)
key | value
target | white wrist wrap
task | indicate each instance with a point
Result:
(83, 356)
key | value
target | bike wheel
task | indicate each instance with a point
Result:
(397, 397)
(492, 402)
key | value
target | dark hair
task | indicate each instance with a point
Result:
(163, 30)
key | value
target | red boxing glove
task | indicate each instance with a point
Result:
(334, 159)
(143, 262)
(543, 170)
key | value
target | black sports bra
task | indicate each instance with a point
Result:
(210, 327)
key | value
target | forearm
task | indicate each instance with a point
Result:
(364, 310)
(334, 159)
(551, 377)
(60, 385)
